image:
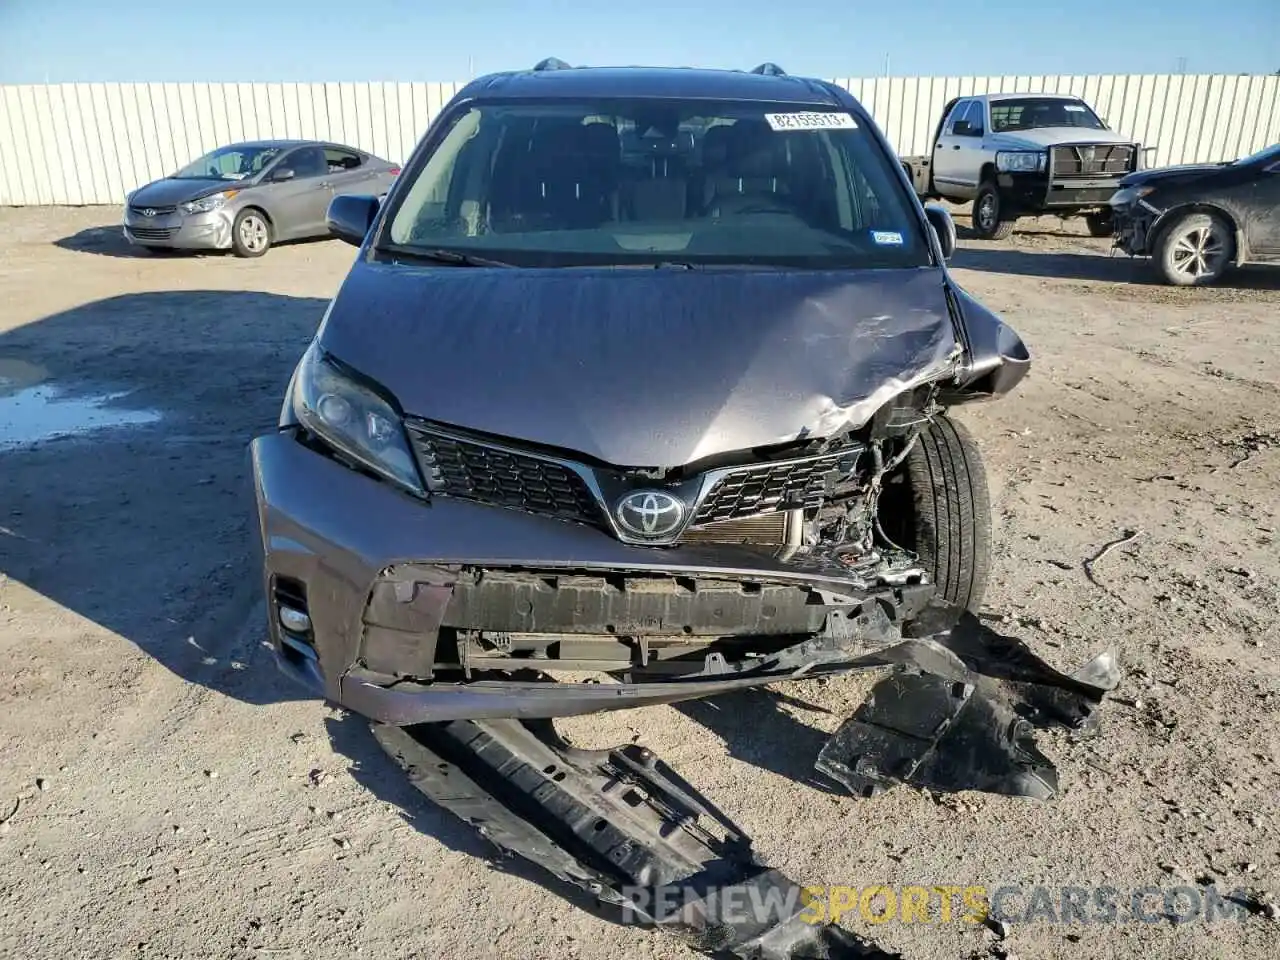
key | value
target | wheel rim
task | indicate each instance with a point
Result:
(253, 234)
(987, 211)
(1199, 253)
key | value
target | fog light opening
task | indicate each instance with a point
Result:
(294, 621)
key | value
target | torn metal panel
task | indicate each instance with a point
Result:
(622, 826)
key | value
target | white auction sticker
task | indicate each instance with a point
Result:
(823, 120)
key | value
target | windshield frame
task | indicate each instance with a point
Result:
(276, 151)
(380, 245)
(1046, 98)
(1265, 157)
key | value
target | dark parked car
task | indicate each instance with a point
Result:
(1196, 221)
(641, 372)
(246, 196)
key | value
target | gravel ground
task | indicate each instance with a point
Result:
(167, 795)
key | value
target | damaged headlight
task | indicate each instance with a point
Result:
(208, 204)
(1021, 161)
(354, 420)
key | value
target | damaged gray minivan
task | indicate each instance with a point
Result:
(639, 375)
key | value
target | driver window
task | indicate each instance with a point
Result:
(957, 114)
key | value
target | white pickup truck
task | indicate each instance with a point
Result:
(1025, 154)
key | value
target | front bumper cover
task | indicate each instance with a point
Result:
(179, 231)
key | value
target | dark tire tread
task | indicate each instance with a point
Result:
(952, 503)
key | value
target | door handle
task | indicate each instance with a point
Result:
(955, 146)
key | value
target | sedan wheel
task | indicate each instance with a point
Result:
(1195, 250)
(250, 234)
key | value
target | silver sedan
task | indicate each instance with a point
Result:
(246, 196)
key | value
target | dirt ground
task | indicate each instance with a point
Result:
(166, 794)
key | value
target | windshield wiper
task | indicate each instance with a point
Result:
(441, 255)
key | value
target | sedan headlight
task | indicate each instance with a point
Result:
(1126, 196)
(207, 204)
(1021, 161)
(354, 420)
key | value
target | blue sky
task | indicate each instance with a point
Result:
(78, 40)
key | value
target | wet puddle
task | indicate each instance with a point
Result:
(32, 410)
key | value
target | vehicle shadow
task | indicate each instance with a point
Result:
(145, 529)
(109, 241)
(756, 730)
(1088, 266)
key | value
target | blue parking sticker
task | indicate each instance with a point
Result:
(887, 238)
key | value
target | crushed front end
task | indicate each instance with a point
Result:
(527, 565)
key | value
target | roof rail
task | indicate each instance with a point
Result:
(770, 70)
(552, 63)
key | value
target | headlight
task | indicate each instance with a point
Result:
(354, 420)
(1021, 161)
(1129, 195)
(208, 204)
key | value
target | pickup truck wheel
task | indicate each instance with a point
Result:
(989, 221)
(1100, 224)
(939, 505)
(1194, 250)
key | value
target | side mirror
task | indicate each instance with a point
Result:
(943, 226)
(281, 175)
(350, 216)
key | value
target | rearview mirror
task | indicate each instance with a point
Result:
(350, 216)
(278, 175)
(943, 226)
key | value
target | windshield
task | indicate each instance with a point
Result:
(229, 163)
(642, 181)
(1034, 113)
(1263, 156)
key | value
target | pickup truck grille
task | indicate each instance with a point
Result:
(1093, 159)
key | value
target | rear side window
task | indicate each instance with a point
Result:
(563, 183)
(340, 161)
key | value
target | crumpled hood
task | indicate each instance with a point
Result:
(1053, 136)
(164, 193)
(642, 367)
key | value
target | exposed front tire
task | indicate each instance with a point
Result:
(942, 510)
(1100, 224)
(990, 222)
(250, 233)
(1194, 250)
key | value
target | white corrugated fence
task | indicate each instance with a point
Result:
(91, 143)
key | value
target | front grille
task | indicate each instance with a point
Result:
(763, 528)
(765, 488)
(153, 233)
(159, 211)
(474, 470)
(1093, 159)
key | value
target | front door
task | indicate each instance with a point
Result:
(950, 153)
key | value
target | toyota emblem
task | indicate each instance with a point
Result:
(651, 514)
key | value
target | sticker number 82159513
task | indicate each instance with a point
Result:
(821, 120)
